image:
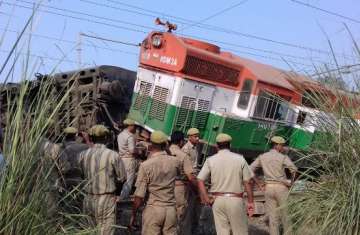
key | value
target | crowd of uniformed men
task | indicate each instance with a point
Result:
(168, 181)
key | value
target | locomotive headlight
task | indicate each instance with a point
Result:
(157, 41)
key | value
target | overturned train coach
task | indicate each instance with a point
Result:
(99, 95)
(183, 83)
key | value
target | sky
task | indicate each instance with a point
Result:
(284, 33)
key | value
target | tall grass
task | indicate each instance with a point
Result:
(30, 201)
(331, 202)
(27, 183)
(25, 180)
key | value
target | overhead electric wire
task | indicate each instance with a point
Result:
(111, 40)
(79, 18)
(112, 25)
(256, 49)
(214, 15)
(99, 17)
(71, 42)
(43, 57)
(89, 15)
(224, 30)
(326, 11)
(116, 26)
(339, 69)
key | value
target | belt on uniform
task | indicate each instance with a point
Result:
(274, 183)
(227, 194)
(100, 194)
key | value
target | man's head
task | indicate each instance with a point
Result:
(193, 135)
(158, 141)
(145, 135)
(130, 125)
(223, 141)
(99, 134)
(278, 143)
(177, 137)
(70, 133)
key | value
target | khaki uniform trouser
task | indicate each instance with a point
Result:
(159, 220)
(275, 197)
(101, 212)
(131, 165)
(230, 216)
(182, 212)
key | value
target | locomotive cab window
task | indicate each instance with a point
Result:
(245, 94)
(301, 117)
(271, 107)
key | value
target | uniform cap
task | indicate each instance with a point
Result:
(98, 131)
(278, 140)
(158, 137)
(193, 131)
(70, 130)
(221, 138)
(129, 122)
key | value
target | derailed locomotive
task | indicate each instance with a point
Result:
(183, 83)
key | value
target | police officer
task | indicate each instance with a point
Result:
(126, 144)
(69, 156)
(190, 148)
(104, 172)
(142, 145)
(273, 164)
(156, 181)
(182, 184)
(229, 174)
(51, 151)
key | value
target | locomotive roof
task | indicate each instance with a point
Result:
(207, 62)
(272, 75)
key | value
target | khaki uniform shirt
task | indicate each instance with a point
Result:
(186, 165)
(126, 143)
(192, 151)
(156, 178)
(50, 150)
(51, 153)
(227, 170)
(273, 164)
(102, 168)
(69, 157)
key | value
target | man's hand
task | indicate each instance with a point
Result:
(132, 225)
(208, 201)
(117, 199)
(250, 209)
(287, 183)
(132, 221)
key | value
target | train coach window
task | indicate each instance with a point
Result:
(85, 80)
(245, 94)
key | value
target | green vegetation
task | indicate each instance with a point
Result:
(29, 198)
(331, 202)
